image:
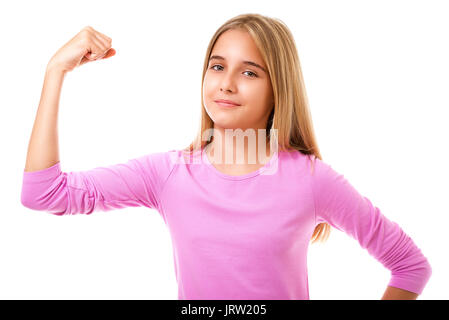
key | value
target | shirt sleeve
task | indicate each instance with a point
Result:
(137, 182)
(338, 203)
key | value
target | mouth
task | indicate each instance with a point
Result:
(227, 103)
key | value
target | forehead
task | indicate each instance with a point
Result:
(237, 45)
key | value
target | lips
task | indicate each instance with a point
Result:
(227, 103)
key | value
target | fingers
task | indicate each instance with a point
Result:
(97, 48)
(106, 38)
(100, 43)
(105, 41)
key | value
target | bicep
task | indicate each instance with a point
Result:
(111, 187)
(130, 184)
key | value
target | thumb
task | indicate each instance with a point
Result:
(111, 52)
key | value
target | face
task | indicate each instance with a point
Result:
(228, 77)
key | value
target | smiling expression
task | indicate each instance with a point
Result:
(236, 72)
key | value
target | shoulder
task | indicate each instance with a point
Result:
(307, 164)
(159, 163)
(317, 172)
(159, 158)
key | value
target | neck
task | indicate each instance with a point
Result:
(237, 147)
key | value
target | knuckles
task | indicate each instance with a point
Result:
(89, 32)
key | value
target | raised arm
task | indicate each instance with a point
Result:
(45, 187)
(87, 45)
(43, 149)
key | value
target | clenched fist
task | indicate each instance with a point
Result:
(87, 45)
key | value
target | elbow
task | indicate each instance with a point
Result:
(425, 269)
(428, 270)
(28, 202)
(424, 273)
(33, 203)
(45, 193)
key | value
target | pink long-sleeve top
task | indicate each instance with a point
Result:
(236, 237)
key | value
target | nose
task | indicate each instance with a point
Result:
(227, 83)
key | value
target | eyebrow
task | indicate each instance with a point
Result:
(251, 63)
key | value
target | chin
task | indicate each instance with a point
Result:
(226, 123)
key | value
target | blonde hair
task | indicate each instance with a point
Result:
(290, 115)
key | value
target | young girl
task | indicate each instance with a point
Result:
(240, 228)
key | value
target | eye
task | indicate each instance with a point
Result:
(253, 75)
(215, 65)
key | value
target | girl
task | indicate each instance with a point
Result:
(240, 228)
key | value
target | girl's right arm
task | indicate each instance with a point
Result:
(87, 45)
(45, 187)
(43, 151)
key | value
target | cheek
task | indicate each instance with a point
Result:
(256, 96)
(208, 97)
(209, 89)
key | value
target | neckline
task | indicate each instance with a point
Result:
(273, 161)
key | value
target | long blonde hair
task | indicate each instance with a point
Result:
(290, 115)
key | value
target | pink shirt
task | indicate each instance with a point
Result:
(236, 237)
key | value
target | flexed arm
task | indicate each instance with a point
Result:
(87, 45)
(45, 187)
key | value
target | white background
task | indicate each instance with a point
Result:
(377, 76)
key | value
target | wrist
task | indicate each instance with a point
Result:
(54, 68)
